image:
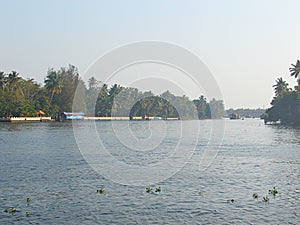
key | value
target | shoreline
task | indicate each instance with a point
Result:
(86, 118)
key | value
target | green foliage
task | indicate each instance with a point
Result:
(216, 109)
(247, 113)
(123, 101)
(255, 196)
(158, 190)
(148, 189)
(203, 109)
(273, 191)
(265, 199)
(94, 88)
(101, 191)
(295, 71)
(24, 97)
(286, 103)
(20, 97)
(285, 108)
(11, 210)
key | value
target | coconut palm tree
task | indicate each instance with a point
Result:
(53, 83)
(2, 80)
(295, 71)
(281, 86)
(12, 81)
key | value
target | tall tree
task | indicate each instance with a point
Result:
(53, 83)
(201, 106)
(92, 95)
(216, 109)
(102, 106)
(295, 71)
(12, 81)
(280, 87)
(71, 81)
(2, 81)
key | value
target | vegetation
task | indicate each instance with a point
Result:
(24, 97)
(100, 191)
(265, 199)
(247, 113)
(273, 192)
(20, 97)
(13, 210)
(150, 190)
(286, 103)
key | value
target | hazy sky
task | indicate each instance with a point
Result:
(245, 44)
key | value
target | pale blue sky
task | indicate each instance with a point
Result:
(245, 44)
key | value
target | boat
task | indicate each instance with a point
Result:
(234, 116)
(72, 115)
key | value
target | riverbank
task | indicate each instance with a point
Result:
(26, 119)
(88, 118)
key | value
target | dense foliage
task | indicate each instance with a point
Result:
(246, 113)
(286, 103)
(20, 97)
(24, 97)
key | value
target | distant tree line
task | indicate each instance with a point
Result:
(24, 97)
(247, 113)
(285, 106)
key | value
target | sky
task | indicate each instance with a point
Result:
(246, 45)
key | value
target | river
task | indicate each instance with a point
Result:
(43, 162)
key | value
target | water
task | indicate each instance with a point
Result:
(42, 161)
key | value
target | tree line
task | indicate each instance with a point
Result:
(24, 97)
(285, 106)
(247, 113)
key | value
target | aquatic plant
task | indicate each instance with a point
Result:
(148, 189)
(255, 196)
(28, 200)
(101, 190)
(11, 210)
(157, 190)
(273, 192)
(27, 213)
(265, 199)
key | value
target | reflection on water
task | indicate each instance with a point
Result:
(42, 161)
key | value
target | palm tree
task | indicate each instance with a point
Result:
(53, 83)
(12, 80)
(281, 86)
(93, 83)
(295, 71)
(2, 80)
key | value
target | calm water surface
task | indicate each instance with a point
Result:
(42, 161)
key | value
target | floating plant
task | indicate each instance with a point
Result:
(28, 200)
(273, 192)
(100, 191)
(27, 213)
(265, 199)
(148, 189)
(158, 190)
(255, 196)
(11, 210)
